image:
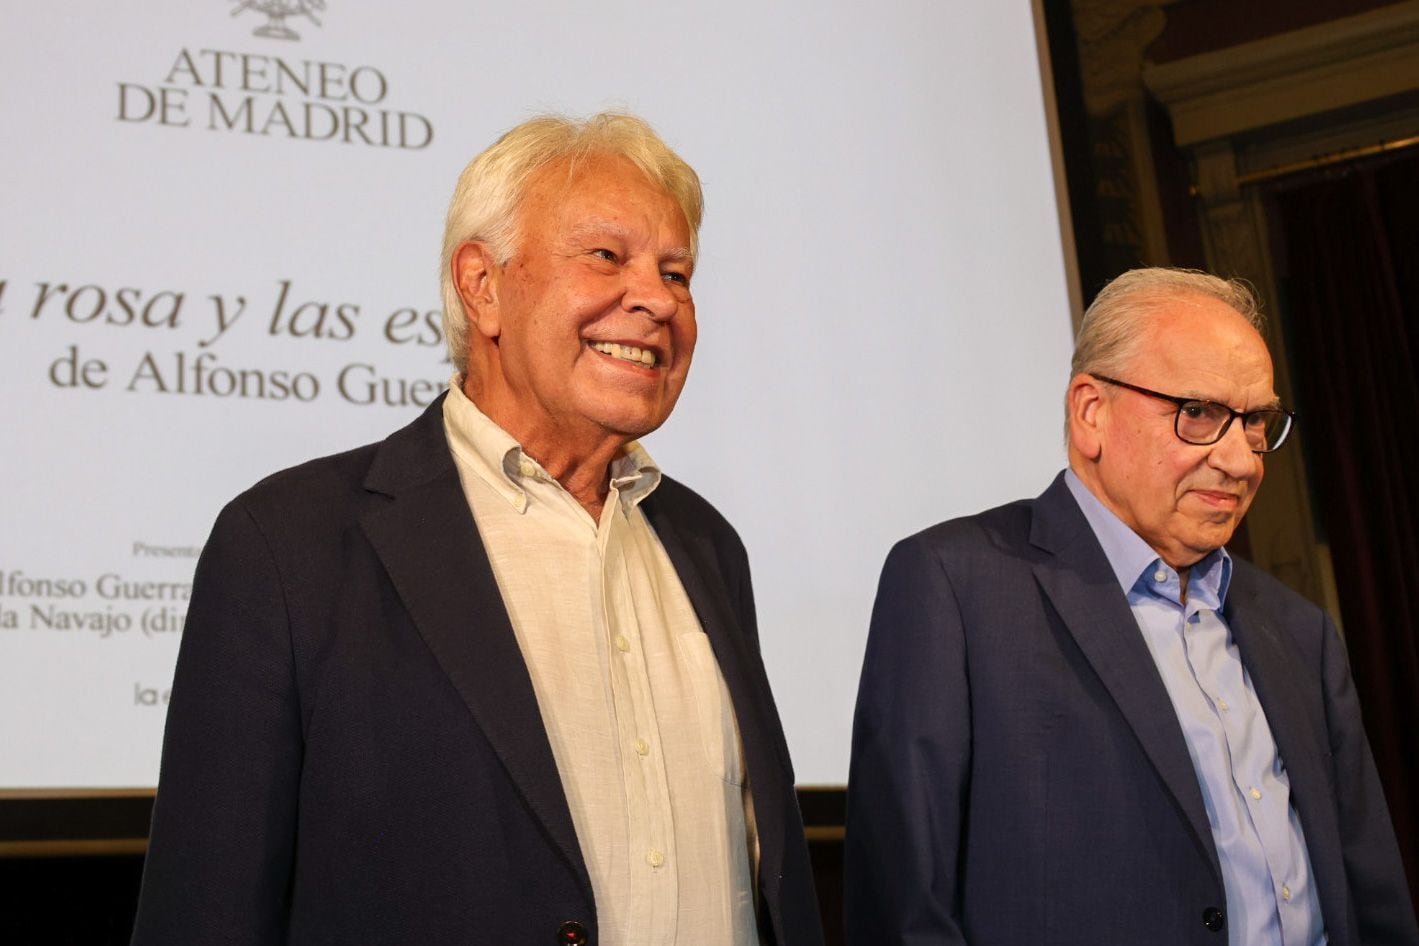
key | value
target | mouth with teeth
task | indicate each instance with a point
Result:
(636, 356)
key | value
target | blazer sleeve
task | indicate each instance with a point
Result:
(1373, 869)
(911, 757)
(221, 848)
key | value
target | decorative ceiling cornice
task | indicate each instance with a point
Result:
(1292, 75)
(1112, 35)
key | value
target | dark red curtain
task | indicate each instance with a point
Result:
(1350, 284)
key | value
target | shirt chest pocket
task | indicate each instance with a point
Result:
(714, 711)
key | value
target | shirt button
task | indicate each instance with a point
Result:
(622, 644)
(527, 468)
(1255, 793)
(654, 858)
(1286, 893)
(1222, 705)
(641, 747)
(1160, 576)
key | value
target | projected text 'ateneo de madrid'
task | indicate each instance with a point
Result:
(271, 96)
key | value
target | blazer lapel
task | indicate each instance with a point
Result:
(1083, 589)
(427, 539)
(1293, 727)
(693, 555)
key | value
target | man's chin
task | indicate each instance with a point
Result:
(1203, 542)
(630, 419)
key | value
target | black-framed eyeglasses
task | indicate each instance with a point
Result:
(1201, 422)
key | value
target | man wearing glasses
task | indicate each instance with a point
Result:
(1081, 721)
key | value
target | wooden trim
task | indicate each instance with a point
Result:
(103, 822)
(823, 807)
(1325, 161)
(1290, 76)
(1320, 162)
(27, 794)
(1056, 159)
(31, 820)
(108, 848)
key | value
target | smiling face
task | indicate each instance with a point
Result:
(1183, 500)
(585, 334)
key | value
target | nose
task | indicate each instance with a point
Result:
(1233, 455)
(647, 292)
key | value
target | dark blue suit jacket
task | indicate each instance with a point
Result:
(1018, 773)
(354, 752)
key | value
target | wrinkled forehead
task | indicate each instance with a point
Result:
(566, 177)
(1199, 337)
(596, 192)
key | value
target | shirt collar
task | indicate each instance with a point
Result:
(499, 460)
(634, 474)
(1133, 560)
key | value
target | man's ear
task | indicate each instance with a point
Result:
(477, 277)
(1088, 408)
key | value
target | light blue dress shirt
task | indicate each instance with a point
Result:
(1271, 900)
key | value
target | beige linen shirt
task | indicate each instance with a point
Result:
(635, 708)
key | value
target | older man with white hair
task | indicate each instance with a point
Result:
(495, 679)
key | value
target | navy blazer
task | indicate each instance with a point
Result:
(1019, 775)
(354, 753)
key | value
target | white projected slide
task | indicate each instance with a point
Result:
(219, 244)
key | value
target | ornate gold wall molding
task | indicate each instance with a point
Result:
(1112, 36)
(1321, 88)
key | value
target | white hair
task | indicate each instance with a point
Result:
(490, 190)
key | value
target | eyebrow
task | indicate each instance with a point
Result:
(598, 227)
(1273, 404)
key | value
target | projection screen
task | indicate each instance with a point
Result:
(219, 257)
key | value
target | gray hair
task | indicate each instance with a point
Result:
(1113, 327)
(1114, 323)
(490, 190)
